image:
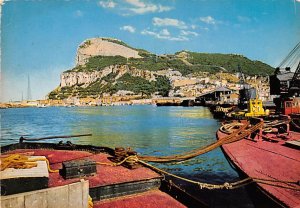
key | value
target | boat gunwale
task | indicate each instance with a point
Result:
(243, 173)
(57, 146)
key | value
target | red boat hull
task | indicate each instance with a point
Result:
(268, 160)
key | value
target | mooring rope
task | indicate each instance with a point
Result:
(129, 159)
(295, 125)
(294, 185)
(237, 135)
(230, 127)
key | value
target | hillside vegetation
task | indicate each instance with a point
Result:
(198, 62)
(108, 85)
(230, 62)
(189, 64)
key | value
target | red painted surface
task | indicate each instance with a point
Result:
(150, 199)
(106, 175)
(268, 160)
(291, 107)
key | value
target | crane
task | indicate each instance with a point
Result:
(294, 88)
(285, 84)
(246, 92)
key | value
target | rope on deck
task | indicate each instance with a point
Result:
(294, 185)
(129, 159)
(21, 161)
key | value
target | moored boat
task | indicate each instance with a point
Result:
(77, 171)
(220, 112)
(271, 153)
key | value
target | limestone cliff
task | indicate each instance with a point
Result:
(69, 79)
(103, 47)
(109, 66)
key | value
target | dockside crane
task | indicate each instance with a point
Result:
(294, 88)
(285, 84)
(246, 92)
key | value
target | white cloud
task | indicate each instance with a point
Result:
(168, 22)
(108, 4)
(148, 32)
(187, 33)
(243, 19)
(131, 7)
(164, 34)
(142, 10)
(140, 7)
(78, 13)
(164, 8)
(208, 20)
(151, 8)
(136, 3)
(128, 28)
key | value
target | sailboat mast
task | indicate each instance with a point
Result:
(28, 89)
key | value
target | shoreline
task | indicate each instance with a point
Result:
(61, 103)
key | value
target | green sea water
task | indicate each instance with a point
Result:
(149, 130)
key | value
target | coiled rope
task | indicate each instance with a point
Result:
(21, 161)
(230, 127)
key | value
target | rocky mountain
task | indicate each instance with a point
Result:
(109, 66)
(103, 47)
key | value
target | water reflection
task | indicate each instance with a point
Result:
(149, 130)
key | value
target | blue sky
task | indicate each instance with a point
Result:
(40, 38)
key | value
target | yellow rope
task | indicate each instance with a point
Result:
(131, 158)
(90, 202)
(47, 161)
(19, 161)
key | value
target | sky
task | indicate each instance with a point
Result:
(39, 39)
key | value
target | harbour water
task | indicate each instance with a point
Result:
(149, 130)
